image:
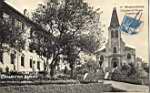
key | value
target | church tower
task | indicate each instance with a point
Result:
(114, 34)
(114, 41)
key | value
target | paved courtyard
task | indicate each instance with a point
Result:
(128, 87)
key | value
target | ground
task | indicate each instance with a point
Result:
(128, 87)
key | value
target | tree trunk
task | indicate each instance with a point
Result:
(45, 67)
(72, 70)
(52, 70)
(53, 66)
(72, 73)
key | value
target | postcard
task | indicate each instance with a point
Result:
(74, 46)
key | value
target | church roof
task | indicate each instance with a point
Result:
(129, 48)
(103, 49)
(114, 19)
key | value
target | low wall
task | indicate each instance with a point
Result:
(55, 88)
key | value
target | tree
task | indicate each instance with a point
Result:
(66, 21)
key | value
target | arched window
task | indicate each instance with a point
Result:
(114, 50)
(128, 56)
(116, 34)
(102, 58)
(112, 34)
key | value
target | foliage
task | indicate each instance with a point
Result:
(129, 73)
(88, 67)
(65, 21)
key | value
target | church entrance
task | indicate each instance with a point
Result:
(114, 62)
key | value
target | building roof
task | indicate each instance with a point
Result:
(114, 19)
(102, 49)
(19, 16)
(129, 48)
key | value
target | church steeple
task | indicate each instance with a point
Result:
(114, 19)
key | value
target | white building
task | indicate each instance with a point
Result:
(13, 60)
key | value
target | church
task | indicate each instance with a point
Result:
(116, 53)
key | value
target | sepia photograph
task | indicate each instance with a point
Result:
(74, 46)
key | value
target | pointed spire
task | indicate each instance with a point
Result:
(114, 19)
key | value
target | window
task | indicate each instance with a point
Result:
(31, 47)
(12, 58)
(18, 24)
(7, 69)
(23, 26)
(114, 62)
(22, 60)
(1, 57)
(30, 63)
(33, 62)
(128, 56)
(102, 58)
(44, 64)
(32, 32)
(115, 50)
(112, 34)
(116, 34)
(1, 70)
(38, 65)
(6, 17)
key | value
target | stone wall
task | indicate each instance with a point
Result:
(55, 88)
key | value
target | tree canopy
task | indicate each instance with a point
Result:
(71, 24)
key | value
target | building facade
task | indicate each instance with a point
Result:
(116, 53)
(25, 60)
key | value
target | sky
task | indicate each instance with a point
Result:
(138, 41)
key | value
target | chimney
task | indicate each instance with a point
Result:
(26, 13)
